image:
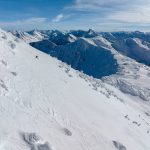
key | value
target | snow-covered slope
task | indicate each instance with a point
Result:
(135, 45)
(55, 36)
(60, 38)
(86, 34)
(46, 105)
(134, 48)
(44, 45)
(84, 55)
(26, 37)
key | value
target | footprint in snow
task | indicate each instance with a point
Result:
(147, 114)
(119, 146)
(11, 44)
(2, 84)
(35, 142)
(4, 62)
(4, 37)
(148, 132)
(17, 40)
(135, 122)
(67, 132)
(14, 73)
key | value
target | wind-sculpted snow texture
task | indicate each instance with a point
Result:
(46, 105)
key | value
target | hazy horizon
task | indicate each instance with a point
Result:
(99, 15)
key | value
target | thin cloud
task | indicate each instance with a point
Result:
(140, 15)
(28, 21)
(58, 18)
(114, 10)
(112, 4)
(61, 17)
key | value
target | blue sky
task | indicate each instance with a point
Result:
(101, 15)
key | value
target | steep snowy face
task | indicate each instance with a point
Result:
(61, 38)
(124, 35)
(26, 37)
(134, 48)
(86, 34)
(85, 56)
(55, 36)
(44, 45)
(135, 45)
(88, 55)
(38, 35)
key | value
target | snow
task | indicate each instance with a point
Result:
(44, 45)
(86, 34)
(46, 105)
(26, 37)
(132, 44)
